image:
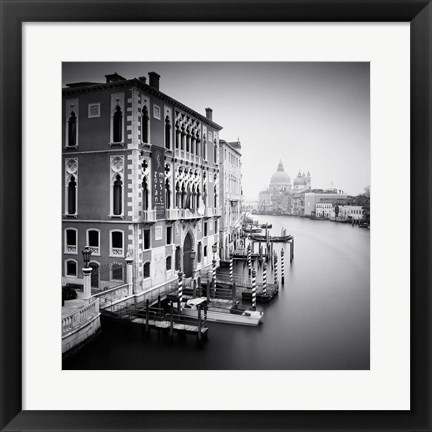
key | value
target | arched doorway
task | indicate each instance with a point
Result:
(94, 274)
(187, 262)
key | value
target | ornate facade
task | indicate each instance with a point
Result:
(141, 179)
(231, 194)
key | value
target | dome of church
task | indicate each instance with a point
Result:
(280, 178)
(299, 181)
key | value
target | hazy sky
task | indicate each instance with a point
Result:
(313, 116)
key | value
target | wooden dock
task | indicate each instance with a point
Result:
(261, 297)
(153, 318)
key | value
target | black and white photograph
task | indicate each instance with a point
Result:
(215, 216)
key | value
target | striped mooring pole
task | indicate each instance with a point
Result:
(249, 259)
(231, 275)
(264, 278)
(214, 275)
(282, 267)
(253, 288)
(275, 271)
(180, 289)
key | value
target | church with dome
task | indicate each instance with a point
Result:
(282, 196)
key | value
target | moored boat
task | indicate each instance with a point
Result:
(229, 315)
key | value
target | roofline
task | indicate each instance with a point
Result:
(230, 146)
(135, 82)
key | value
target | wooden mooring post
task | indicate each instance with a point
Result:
(282, 267)
(234, 300)
(171, 330)
(199, 324)
(147, 310)
(291, 250)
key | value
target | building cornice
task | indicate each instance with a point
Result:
(135, 82)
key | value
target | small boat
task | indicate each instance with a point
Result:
(252, 230)
(273, 239)
(266, 225)
(221, 314)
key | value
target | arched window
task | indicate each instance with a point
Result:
(116, 243)
(71, 240)
(215, 196)
(204, 148)
(199, 254)
(188, 140)
(146, 269)
(144, 125)
(198, 200)
(72, 130)
(178, 195)
(93, 241)
(167, 194)
(117, 196)
(183, 137)
(215, 151)
(178, 135)
(71, 268)
(167, 133)
(192, 138)
(193, 197)
(178, 258)
(197, 144)
(183, 196)
(145, 193)
(118, 125)
(168, 263)
(117, 272)
(72, 196)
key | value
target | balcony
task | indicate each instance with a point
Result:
(189, 214)
(94, 249)
(117, 251)
(149, 215)
(71, 249)
(172, 214)
(186, 156)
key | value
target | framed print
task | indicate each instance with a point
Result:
(236, 205)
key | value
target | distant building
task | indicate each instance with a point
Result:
(351, 212)
(302, 182)
(281, 197)
(311, 199)
(231, 196)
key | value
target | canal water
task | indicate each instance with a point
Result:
(319, 320)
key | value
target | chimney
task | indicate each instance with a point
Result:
(209, 114)
(154, 80)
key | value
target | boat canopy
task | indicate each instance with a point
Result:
(196, 301)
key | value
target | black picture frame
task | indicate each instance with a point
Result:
(15, 12)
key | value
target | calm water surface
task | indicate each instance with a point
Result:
(319, 320)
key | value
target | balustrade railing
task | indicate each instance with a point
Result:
(79, 318)
(117, 251)
(172, 213)
(108, 297)
(94, 249)
(149, 215)
(71, 249)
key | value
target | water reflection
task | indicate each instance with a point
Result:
(320, 319)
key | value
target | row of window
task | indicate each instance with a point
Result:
(184, 199)
(116, 270)
(184, 139)
(116, 238)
